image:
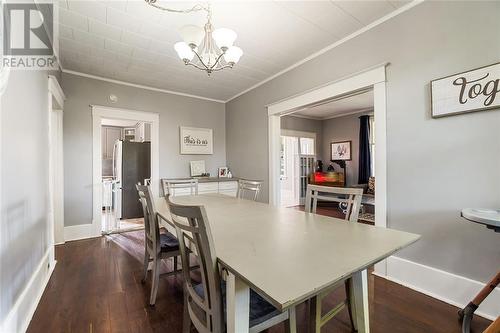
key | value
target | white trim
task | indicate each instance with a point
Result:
(358, 81)
(447, 287)
(99, 112)
(55, 209)
(140, 86)
(19, 316)
(373, 77)
(360, 111)
(370, 26)
(56, 90)
(380, 116)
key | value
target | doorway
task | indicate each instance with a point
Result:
(373, 78)
(125, 151)
(297, 156)
(126, 161)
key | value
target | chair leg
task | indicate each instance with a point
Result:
(146, 265)
(349, 303)
(186, 321)
(156, 281)
(291, 322)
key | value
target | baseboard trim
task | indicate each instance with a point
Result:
(81, 231)
(447, 287)
(20, 315)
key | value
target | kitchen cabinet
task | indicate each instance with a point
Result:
(143, 132)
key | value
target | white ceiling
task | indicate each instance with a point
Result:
(362, 102)
(133, 42)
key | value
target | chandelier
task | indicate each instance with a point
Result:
(205, 48)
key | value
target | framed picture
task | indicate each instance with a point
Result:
(222, 172)
(196, 141)
(341, 151)
(197, 168)
(474, 90)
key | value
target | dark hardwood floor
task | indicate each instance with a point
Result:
(96, 287)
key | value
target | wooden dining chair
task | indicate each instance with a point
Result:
(350, 198)
(157, 246)
(248, 189)
(204, 302)
(171, 186)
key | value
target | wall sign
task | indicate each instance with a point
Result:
(196, 141)
(475, 90)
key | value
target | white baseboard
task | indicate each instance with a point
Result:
(22, 311)
(81, 231)
(447, 287)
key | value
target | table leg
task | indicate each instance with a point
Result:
(238, 304)
(359, 297)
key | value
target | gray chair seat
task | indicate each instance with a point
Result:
(168, 242)
(260, 309)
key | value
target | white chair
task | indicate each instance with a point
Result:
(174, 186)
(157, 246)
(248, 189)
(204, 301)
(350, 198)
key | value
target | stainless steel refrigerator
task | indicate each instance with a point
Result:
(131, 165)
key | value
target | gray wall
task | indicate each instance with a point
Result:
(436, 167)
(24, 228)
(342, 129)
(174, 111)
(305, 125)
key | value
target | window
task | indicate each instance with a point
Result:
(372, 145)
(306, 146)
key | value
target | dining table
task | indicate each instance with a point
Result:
(286, 255)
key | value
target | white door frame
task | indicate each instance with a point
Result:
(56, 99)
(98, 113)
(373, 77)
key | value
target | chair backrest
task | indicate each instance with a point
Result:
(171, 185)
(151, 226)
(248, 189)
(193, 233)
(350, 198)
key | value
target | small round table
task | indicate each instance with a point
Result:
(491, 219)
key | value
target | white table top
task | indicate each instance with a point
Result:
(485, 216)
(287, 255)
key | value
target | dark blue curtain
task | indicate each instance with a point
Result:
(364, 150)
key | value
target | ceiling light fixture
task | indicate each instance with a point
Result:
(205, 48)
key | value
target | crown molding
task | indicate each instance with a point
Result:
(332, 46)
(140, 86)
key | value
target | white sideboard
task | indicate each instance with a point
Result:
(226, 187)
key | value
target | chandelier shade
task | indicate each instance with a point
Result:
(184, 51)
(192, 34)
(233, 54)
(224, 38)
